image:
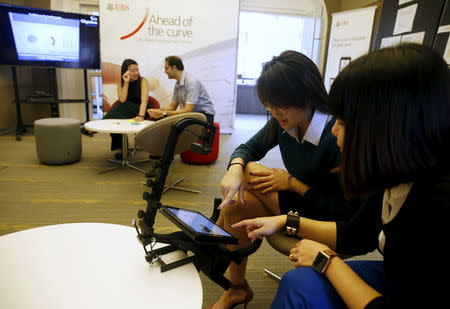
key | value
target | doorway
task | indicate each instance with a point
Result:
(262, 36)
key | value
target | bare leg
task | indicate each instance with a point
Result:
(256, 205)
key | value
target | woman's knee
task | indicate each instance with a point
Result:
(253, 167)
(303, 287)
(232, 210)
(298, 277)
(237, 211)
(291, 293)
(249, 168)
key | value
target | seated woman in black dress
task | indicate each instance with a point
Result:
(133, 96)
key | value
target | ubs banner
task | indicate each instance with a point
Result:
(202, 32)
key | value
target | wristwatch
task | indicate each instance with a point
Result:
(164, 114)
(323, 259)
(292, 223)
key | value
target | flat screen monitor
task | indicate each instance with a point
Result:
(36, 37)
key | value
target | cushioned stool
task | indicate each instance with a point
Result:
(58, 140)
(195, 158)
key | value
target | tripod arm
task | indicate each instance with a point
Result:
(162, 169)
(212, 259)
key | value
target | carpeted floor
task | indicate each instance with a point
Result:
(34, 195)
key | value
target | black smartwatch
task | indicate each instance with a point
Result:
(323, 259)
(292, 223)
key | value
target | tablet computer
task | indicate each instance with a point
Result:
(197, 226)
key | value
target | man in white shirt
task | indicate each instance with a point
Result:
(189, 94)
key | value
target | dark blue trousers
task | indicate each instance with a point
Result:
(305, 288)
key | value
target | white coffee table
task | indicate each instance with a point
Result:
(89, 266)
(119, 126)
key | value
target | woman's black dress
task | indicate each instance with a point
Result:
(126, 110)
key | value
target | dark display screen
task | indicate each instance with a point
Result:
(198, 222)
(36, 37)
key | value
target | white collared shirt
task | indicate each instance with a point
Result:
(393, 200)
(315, 128)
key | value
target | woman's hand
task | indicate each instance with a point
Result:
(138, 118)
(263, 226)
(155, 113)
(126, 76)
(305, 252)
(232, 182)
(270, 181)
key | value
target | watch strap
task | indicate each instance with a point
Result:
(330, 253)
(292, 223)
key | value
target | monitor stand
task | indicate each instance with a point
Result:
(45, 99)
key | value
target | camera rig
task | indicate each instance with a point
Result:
(212, 259)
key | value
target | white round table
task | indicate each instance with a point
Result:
(119, 126)
(89, 265)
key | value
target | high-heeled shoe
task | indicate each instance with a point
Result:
(245, 301)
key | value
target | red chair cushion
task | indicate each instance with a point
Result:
(152, 103)
(195, 158)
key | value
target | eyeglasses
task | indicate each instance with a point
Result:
(277, 110)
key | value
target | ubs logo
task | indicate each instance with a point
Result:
(117, 7)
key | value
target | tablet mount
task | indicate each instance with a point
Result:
(212, 259)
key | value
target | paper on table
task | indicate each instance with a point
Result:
(405, 19)
(134, 122)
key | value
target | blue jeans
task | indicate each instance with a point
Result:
(305, 288)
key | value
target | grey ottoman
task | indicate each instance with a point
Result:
(58, 140)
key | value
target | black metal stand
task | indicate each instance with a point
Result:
(212, 259)
(155, 255)
(86, 94)
(53, 101)
(20, 128)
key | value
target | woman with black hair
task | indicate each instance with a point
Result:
(291, 89)
(393, 129)
(133, 96)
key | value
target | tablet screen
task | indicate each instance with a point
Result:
(198, 222)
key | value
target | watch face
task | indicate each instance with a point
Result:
(320, 262)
